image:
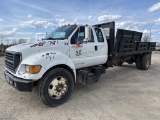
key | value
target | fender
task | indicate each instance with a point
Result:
(47, 60)
(60, 59)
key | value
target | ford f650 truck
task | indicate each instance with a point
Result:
(70, 54)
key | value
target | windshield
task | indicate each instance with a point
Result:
(61, 33)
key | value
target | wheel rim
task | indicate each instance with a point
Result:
(58, 87)
(147, 64)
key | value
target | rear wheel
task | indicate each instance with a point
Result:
(138, 62)
(119, 62)
(56, 87)
(131, 61)
(145, 62)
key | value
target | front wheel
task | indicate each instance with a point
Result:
(56, 87)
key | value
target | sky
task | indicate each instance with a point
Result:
(31, 19)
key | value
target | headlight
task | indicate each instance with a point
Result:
(33, 69)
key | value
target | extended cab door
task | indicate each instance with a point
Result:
(85, 54)
(102, 46)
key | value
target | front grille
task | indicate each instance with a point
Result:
(12, 60)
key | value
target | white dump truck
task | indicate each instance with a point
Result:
(70, 54)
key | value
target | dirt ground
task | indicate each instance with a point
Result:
(123, 93)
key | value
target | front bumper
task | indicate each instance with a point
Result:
(18, 83)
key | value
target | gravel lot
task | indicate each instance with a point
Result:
(123, 93)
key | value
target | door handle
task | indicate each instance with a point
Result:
(96, 48)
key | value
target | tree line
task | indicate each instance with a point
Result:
(3, 46)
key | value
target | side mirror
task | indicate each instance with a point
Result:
(87, 34)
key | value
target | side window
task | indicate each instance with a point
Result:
(74, 37)
(78, 36)
(92, 37)
(81, 34)
(99, 35)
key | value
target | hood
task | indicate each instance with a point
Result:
(40, 46)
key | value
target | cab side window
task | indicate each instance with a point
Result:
(92, 37)
(74, 37)
(81, 35)
(78, 36)
(99, 35)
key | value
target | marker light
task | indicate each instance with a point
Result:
(33, 69)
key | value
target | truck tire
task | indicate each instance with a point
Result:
(138, 62)
(131, 61)
(145, 62)
(55, 87)
(119, 63)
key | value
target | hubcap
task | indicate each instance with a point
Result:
(58, 87)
